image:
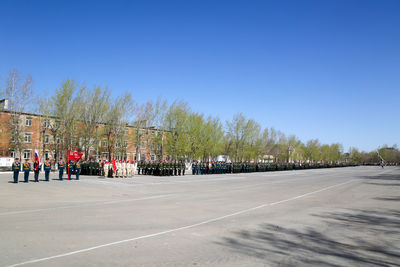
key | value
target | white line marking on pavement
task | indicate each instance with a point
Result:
(180, 228)
(83, 205)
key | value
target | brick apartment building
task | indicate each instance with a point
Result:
(36, 135)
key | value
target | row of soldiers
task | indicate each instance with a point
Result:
(220, 167)
(73, 167)
(161, 168)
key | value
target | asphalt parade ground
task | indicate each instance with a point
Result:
(321, 217)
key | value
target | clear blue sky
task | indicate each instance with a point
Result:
(317, 69)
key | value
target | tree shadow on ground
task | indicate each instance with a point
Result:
(354, 237)
(383, 177)
(388, 198)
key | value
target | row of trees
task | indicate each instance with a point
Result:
(91, 119)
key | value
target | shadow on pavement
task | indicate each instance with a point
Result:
(388, 198)
(355, 237)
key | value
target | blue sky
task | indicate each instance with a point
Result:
(317, 69)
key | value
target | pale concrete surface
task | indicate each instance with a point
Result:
(322, 217)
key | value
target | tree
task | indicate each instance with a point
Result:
(115, 124)
(174, 124)
(18, 91)
(94, 105)
(242, 136)
(66, 108)
(148, 125)
(312, 150)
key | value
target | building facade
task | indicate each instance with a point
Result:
(37, 133)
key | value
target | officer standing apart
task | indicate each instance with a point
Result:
(47, 168)
(27, 168)
(77, 169)
(61, 168)
(16, 167)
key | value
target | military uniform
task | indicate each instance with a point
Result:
(47, 169)
(16, 168)
(61, 169)
(36, 170)
(77, 169)
(27, 168)
(106, 168)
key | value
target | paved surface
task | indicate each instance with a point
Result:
(323, 217)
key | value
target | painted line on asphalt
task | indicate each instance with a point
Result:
(180, 228)
(83, 205)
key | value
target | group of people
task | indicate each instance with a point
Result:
(220, 167)
(161, 168)
(118, 168)
(27, 167)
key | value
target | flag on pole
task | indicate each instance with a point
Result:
(73, 155)
(37, 159)
(114, 165)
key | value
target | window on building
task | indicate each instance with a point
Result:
(12, 153)
(105, 143)
(27, 154)
(153, 157)
(126, 131)
(142, 157)
(58, 140)
(28, 138)
(46, 155)
(46, 124)
(125, 143)
(28, 121)
(46, 139)
(105, 155)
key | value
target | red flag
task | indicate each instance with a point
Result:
(114, 165)
(73, 155)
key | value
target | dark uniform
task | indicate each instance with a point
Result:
(36, 169)
(47, 168)
(70, 169)
(77, 169)
(61, 169)
(27, 169)
(16, 168)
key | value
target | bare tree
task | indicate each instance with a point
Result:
(115, 124)
(18, 91)
(94, 105)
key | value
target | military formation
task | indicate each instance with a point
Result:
(125, 169)
(220, 167)
(72, 168)
(118, 169)
(161, 168)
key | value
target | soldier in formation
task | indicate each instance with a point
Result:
(16, 168)
(47, 169)
(161, 168)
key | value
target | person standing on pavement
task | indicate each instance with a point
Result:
(27, 169)
(36, 169)
(16, 168)
(70, 169)
(77, 169)
(47, 168)
(61, 166)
